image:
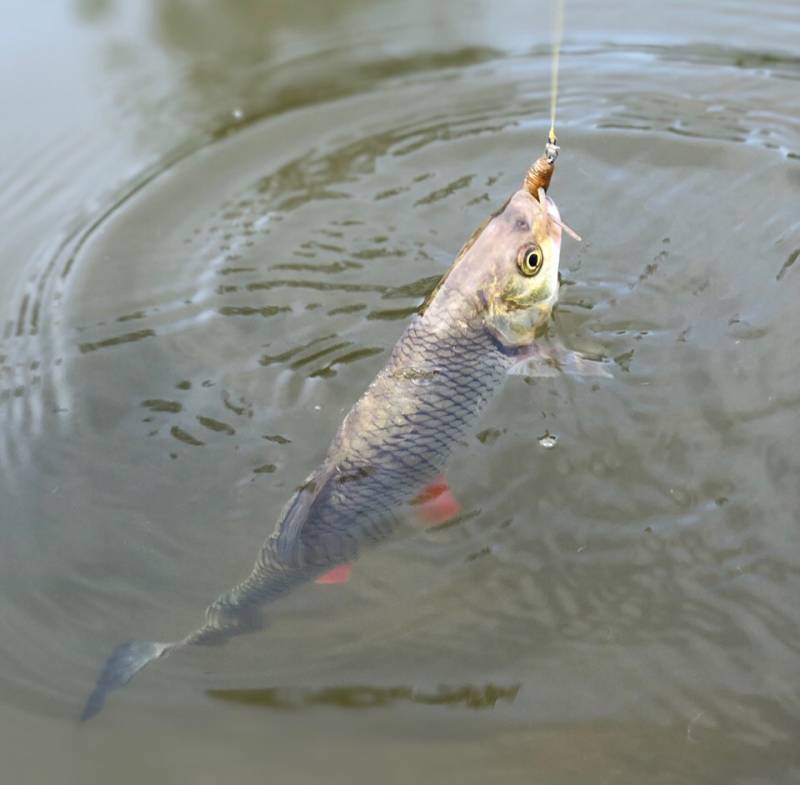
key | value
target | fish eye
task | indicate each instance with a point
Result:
(530, 259)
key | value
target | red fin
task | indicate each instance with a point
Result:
(339, 574)
(436, 504)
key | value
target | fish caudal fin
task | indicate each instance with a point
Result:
(123, 664)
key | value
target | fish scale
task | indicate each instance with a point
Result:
(464, 370)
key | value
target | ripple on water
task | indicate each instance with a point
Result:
(178, 366)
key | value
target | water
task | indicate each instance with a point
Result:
(217, 218)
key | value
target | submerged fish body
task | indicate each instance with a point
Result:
(479, 323)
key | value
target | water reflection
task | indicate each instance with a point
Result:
(369, 697)
(229, 59)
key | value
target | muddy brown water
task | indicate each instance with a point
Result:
(217, 217)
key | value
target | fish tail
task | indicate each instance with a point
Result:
(223, 621)
(123, 664)
(236, 612)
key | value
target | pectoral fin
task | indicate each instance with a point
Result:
(547, 360)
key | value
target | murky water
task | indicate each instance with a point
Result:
(217, 218)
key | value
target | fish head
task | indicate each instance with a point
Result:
(520, 283)
(506, 275)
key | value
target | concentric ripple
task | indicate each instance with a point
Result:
(179, 363)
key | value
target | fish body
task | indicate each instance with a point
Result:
(480, 322)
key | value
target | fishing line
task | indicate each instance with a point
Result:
(558, 35)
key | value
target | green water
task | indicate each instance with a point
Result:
(216, 220)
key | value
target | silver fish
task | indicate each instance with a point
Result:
(481, 321)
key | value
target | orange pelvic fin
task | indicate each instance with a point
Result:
(436, 504)
(338, 575)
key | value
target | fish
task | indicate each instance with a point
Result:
(481, 322)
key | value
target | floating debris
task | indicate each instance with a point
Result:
(548, 440)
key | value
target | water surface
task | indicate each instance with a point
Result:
(217, 218)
